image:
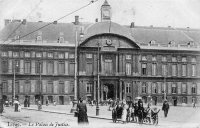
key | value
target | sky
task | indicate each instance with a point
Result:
(159, 13)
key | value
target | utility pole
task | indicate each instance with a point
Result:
(13, 87)
(98, 83)
(75, 68)
(40, 82)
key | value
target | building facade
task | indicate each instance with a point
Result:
(133, 61)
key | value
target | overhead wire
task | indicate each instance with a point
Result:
(55, 21)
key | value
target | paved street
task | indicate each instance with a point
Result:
(52, 116)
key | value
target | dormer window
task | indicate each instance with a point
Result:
(191, 43)
(61, 40)
(194, 59)
(39, 38)
(164, 58)
(61, 37)
(17, 37)
(152, 42)
(27, 54)
(172, 44)
(61, 55)
(174, 59)
(88, 55)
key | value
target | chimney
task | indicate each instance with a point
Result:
(96, 20)
(132, 25)
(76, 20)
(24, 22)
(7, 21)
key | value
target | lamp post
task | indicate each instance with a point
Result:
(98, 83)
(40, 82)
(1, 98)
(13, 89)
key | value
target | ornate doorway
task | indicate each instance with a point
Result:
(108, 91)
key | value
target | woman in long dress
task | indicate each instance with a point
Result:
(82, 112)
(124, 112)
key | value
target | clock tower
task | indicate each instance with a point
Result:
(105, 11)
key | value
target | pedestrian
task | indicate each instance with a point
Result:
(25, 102)
(19, 108)
(28, 102)
(194, 104)
(82, 112)
(165, 108)
(47, 102)
(16, 104)
(140, 112)
(39, 105)
(54, 103)
(124, 111)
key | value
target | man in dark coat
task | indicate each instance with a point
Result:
(165, 108)
(82, 112)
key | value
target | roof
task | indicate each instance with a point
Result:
(108, 27)
(138, 34)
(51, 33)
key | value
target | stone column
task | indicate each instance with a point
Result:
(120, 90)
(94, 90)
(116, 87)
(116, 63)
(101, 92)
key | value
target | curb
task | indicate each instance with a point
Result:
(65, 113)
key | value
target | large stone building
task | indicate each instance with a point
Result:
(133, 61)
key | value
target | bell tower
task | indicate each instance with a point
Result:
(105, 11)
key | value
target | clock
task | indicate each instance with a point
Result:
(109, 42)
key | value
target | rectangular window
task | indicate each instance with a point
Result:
(164, 58)
(88, 55)
(194, 89)
(88, 88)
(184, 88)
(4, 66)
(16, 87)
(37, 86)
(50, 68)
(50, 55)
(50, 87)
(72, 87)
(193, 69)
(38, 54)
(164, 69)
(27, 54)
(184, 59)
(38, 67)
(71, 55)
(61, 67)
(27, 87)
(108, 66)
(17, 66)
(144, 69)
(128, 88)
(4, 54)
(144, 88)
(128, 68)
(154, 88)
(174, 59)
(174, 70)
(163, 87)
(15, 54)
(61, 87)
(128, 57)
(154, 69)
(184, 70)
(89, 68)
(174, 89)
(71, 68)
(27, 67)
(61, 55)
(5, 86)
